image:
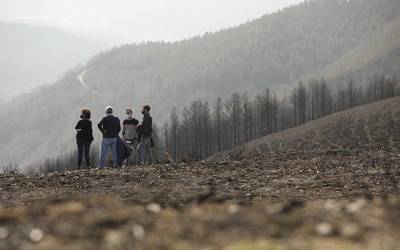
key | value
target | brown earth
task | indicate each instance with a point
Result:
(298, 200)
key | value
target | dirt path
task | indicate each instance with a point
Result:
(81, 79)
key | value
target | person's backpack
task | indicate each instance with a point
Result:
(123, 151)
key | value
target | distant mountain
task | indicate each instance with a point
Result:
(33, 55)
(336, 39)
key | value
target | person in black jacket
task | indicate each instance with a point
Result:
(145, 130)
(84, 137)
(110, 127)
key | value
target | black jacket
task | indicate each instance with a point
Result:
(146, 128)
(85, 131)
(109, 126)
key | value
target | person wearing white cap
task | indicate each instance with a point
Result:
(110, 127)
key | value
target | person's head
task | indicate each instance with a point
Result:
(109, 110)
(129, 113)
(85, 114)
(146, 109)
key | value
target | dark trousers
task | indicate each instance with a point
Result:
(83, 148)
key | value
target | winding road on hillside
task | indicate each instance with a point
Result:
(81, 79)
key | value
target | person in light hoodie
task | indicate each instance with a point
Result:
(129, 126)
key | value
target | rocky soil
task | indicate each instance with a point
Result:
(327, 199)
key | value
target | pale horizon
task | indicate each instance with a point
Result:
(136, 21)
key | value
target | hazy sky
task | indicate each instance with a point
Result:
(123, 21)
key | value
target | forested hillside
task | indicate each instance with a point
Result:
(315, 39)
(324, 38)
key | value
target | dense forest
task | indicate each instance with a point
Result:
(334, 39)
(202, 129)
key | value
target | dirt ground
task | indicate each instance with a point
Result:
(333, 199)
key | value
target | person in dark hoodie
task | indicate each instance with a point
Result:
(145, 130)
(110, 127)
(84, 137)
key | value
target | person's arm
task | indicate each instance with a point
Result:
(90, 127)
(100, 126)
(118, 125)
(123, 130)
(139, 131)
(78, 126)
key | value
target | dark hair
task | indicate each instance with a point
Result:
(147, 108)
(85, 114)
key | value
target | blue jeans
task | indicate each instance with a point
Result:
(106, 144)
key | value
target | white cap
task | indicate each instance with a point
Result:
(109, 110)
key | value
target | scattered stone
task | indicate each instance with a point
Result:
(355, 206)
(36, 235)
(351, 230)
(324, 229)
(4, 233)
(113, 239)
(233, 208)
(138, 232)
(332, 205)
(153, 208)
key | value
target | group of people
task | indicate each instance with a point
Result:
(133, 148)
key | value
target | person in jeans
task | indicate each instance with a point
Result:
(145, 131)
(84, 137)
(129, 126)
(110, 127)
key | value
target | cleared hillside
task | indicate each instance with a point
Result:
(370, 127)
